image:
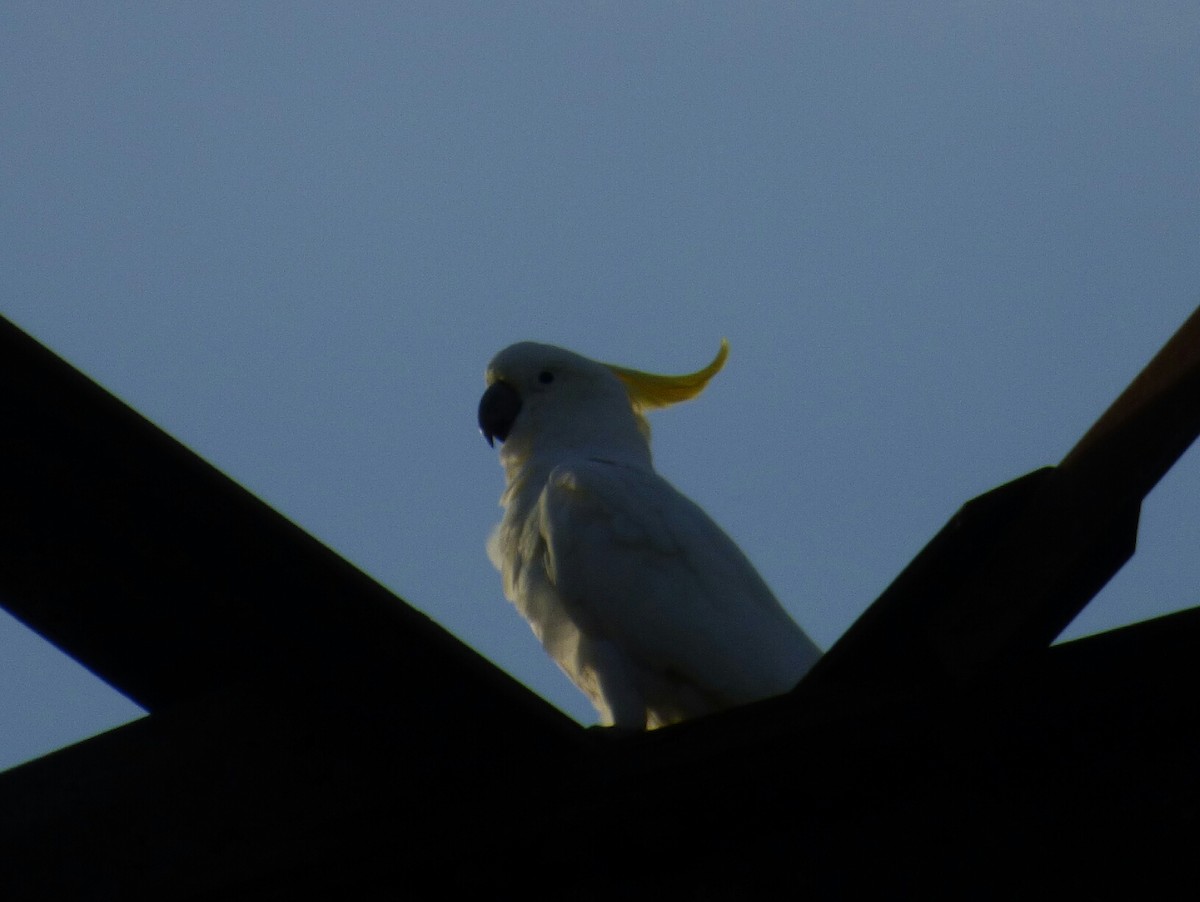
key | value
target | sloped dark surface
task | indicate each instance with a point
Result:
(165, 578)
(295, 746)
(1084, 759)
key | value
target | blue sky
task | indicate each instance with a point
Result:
(940, 237)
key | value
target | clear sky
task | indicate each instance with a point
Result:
(940, 237)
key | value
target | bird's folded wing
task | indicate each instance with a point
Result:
(644, 566)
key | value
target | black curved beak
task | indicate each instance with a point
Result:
(498, 408)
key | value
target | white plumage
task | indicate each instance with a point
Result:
(652, 611)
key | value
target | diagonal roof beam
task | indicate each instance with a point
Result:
(1013, 567)
(168, 580)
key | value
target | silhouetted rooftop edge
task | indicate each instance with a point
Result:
(294, 742)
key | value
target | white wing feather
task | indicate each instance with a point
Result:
(673, 620)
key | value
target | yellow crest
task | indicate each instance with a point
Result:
(648, 391)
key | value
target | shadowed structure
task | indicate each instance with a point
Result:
(311, 733)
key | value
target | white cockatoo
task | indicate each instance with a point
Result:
(650, 609)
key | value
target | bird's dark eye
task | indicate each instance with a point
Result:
(545, 377)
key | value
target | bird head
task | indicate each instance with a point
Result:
(543, 398)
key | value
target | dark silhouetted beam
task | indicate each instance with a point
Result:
(169, 581)
(1013, 567)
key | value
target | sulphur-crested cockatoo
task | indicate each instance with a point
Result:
(642, 600)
